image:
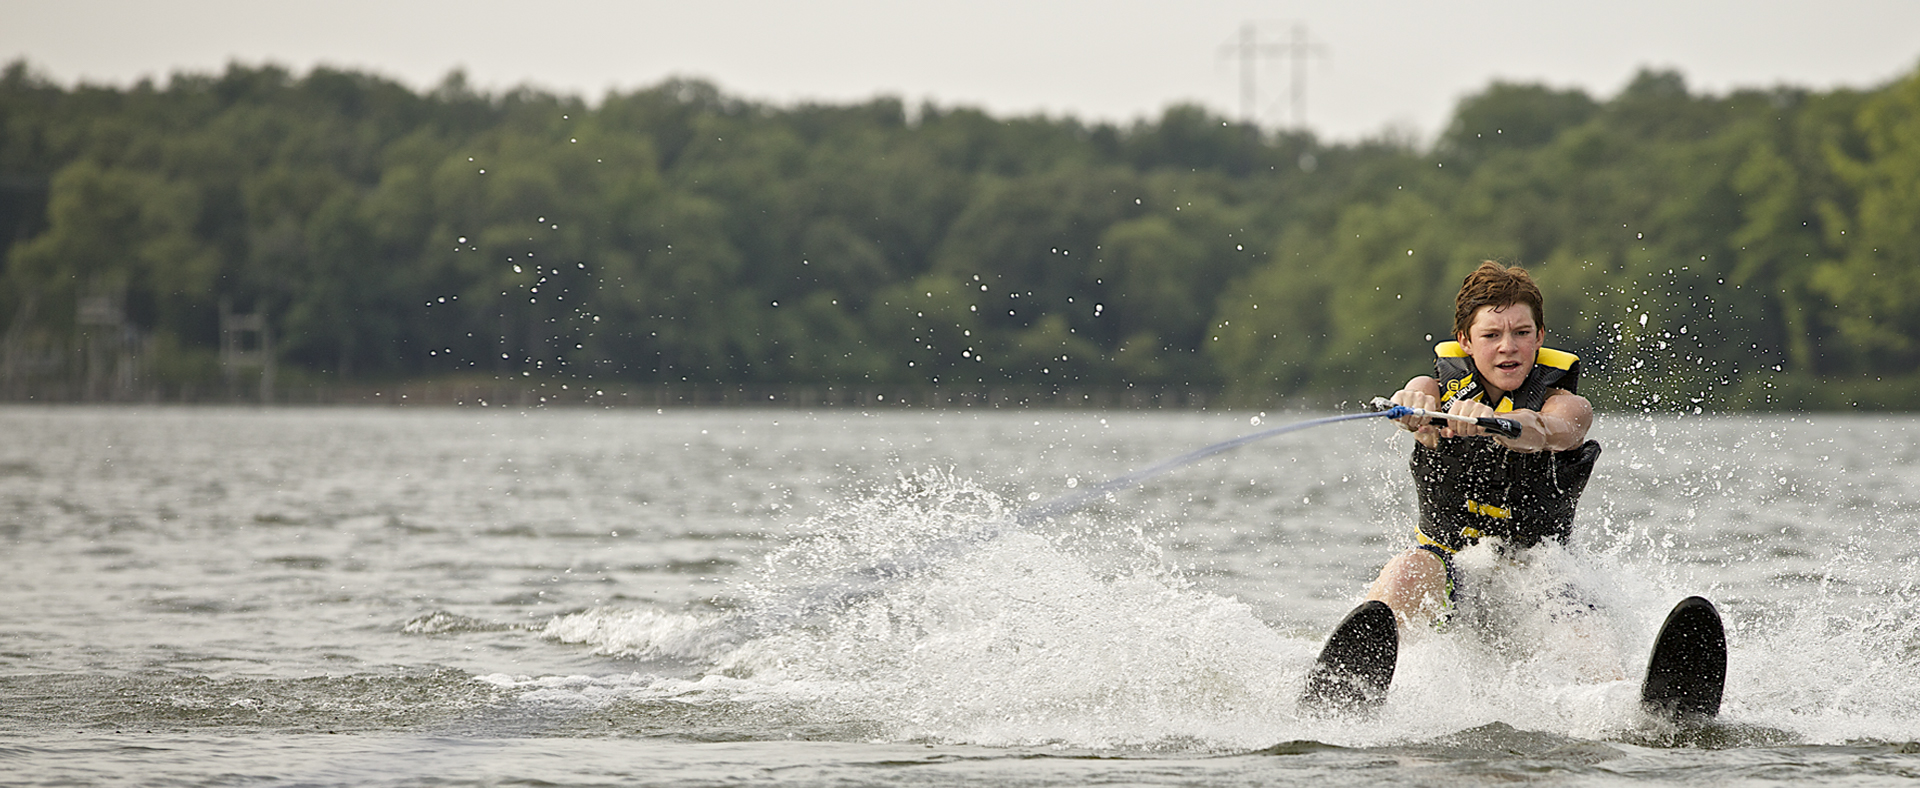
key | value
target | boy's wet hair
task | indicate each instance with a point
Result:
(1496, 285)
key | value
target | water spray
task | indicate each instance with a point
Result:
(876, 578)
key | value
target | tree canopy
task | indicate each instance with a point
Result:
(1759, 248)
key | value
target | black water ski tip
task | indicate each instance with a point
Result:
(1688, 670)
(1356, 666)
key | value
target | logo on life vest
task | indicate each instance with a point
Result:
(1488, 510)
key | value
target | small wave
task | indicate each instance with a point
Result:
(713, 692)
(146, 701)
(441, 622)
(645, 633)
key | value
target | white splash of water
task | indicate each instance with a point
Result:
(1080, 634)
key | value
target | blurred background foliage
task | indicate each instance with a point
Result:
(1754, 249)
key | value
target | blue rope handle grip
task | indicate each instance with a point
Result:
(1506, 428)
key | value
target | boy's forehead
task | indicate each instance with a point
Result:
(1495, 312)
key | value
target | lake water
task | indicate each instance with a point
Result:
(455, 597)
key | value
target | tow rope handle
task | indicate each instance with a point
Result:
(1505, 428)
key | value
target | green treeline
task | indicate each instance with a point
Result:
(1755, 249)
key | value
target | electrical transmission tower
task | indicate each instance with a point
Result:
(1298, 48)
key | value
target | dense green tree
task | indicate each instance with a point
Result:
(1874, 285)
(1698, 250)
(123, 235)
(1512, 118)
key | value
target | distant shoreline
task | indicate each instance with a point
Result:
(1786, 394)
(628, 395)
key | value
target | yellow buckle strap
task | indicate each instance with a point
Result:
(1422, 537)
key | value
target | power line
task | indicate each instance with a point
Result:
(1299, 47)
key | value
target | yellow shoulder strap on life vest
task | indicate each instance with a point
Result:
(1558, 359)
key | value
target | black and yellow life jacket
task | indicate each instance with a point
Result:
(1471, 488)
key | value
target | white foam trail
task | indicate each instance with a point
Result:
(1021, 643)
(1083, 636)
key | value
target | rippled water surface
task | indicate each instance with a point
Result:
(710, 597)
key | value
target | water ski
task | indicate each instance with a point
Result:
(1356, 666)
(1688, 670)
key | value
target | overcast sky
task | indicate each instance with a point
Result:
(1373, 64)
